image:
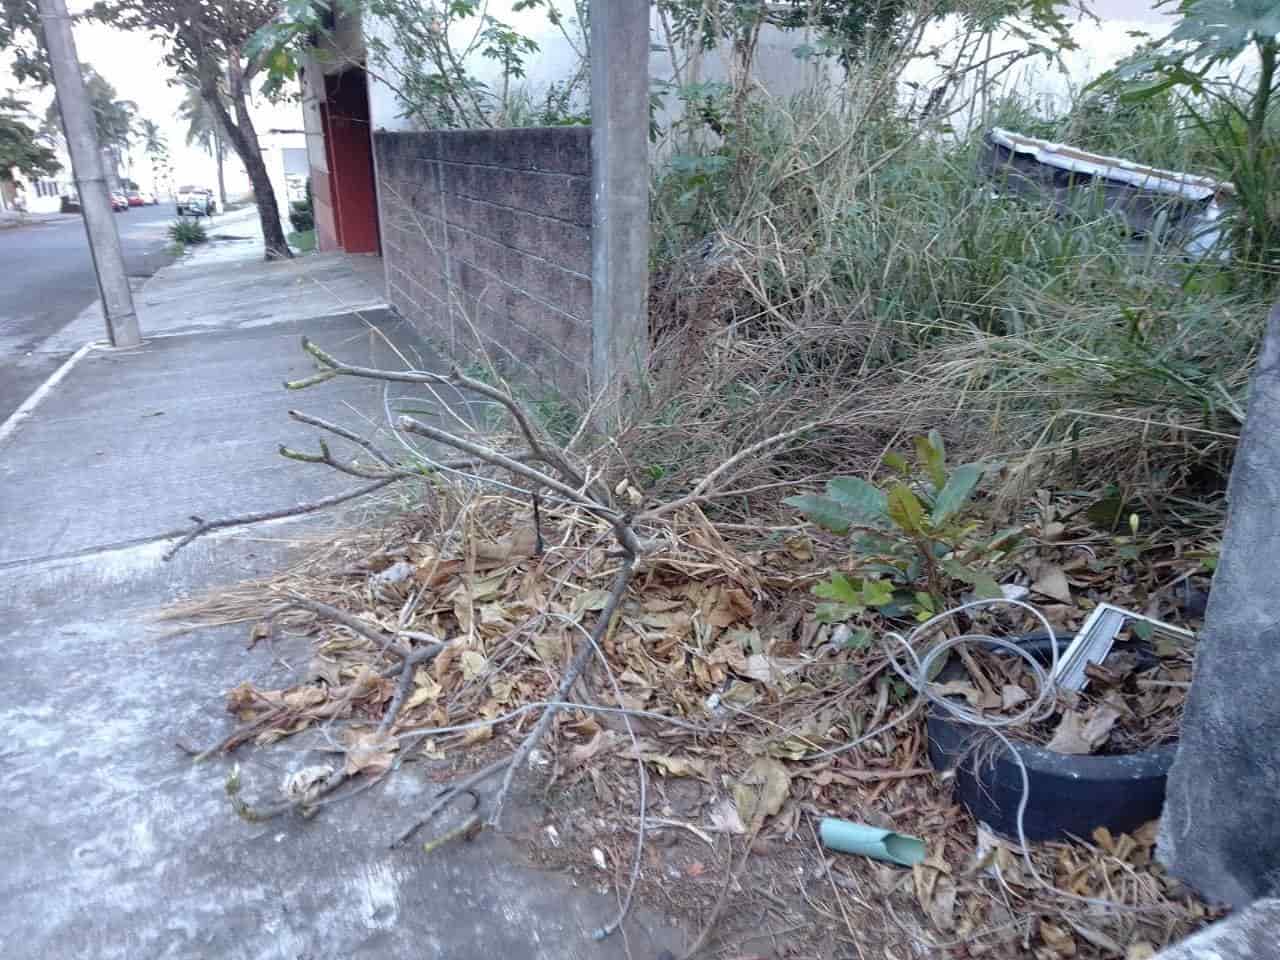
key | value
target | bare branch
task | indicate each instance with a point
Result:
(548, 455)
(538, 449)
(411, 663)
(271, 811)
(451, 793)
(384, 639)
(700, 488)
(410, 425)
(585, 649)
(345, 434)
(351, 469)
(203, 526)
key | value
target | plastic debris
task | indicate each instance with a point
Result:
(1095, 639)
(845, 836)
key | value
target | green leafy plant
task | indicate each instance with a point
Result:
(20, 145)
(187, 231)
(302, 213)
(1194, 63)
(915, 537)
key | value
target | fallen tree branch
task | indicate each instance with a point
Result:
(563, 479)
(411, 663)
(464, 831)
(410, 425)
(350, 469)
(345, 434)
(385, 640)
(699, 491)
(585, 649)
(450, 793)
(384, 458)
(539, 450)
(271, 811)
(203, 526)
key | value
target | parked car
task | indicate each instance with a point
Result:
(149, 199)
(196, 202)
(134, 198)
(119, 202)
(70, 203)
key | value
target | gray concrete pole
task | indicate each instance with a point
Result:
(86, 163)
(1219, 831)
(620, 192)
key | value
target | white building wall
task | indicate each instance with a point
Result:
(776, 67)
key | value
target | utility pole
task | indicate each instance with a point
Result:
(86, 163)
(620, 192)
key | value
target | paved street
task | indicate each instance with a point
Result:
(46, 279)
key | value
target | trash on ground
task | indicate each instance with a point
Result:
(846, 836)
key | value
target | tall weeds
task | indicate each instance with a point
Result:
(831, 259)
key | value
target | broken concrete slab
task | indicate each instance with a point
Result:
(1219, 831)
(1250, 934)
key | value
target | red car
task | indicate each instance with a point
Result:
(134, 198)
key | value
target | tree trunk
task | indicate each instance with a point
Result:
(244, 140)
(218, 149)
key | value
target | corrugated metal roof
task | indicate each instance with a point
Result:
(1063, 157)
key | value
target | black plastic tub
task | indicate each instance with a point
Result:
(1069, 795)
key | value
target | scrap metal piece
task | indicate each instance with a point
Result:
(1096, 637)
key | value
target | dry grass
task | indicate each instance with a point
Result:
(874, 283)
(846, 293)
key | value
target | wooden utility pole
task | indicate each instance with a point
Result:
(86, 163)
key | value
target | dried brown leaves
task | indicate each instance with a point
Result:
(713, 634)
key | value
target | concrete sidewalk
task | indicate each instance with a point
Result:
(117, 846)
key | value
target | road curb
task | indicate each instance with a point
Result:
(19, 416)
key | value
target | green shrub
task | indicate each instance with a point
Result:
(302, 213)
(187, 231)
(916, 537)
(302, 242)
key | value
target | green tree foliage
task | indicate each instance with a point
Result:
(20, 37)
(153, 141)
(20, 145)
(1200, 62)
(203, 131)
(847, 29)
(201, 122)
(113, 118)
(207, 45)
(427, 64)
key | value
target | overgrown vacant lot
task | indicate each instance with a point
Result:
(881, 389)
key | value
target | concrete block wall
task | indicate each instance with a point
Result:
(487, 243)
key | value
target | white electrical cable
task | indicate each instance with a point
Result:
(1039, 708)
(917, 677)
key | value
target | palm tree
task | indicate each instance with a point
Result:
(113, 117)
(155, 147)
(203, 130)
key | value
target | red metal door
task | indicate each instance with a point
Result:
(349, 145)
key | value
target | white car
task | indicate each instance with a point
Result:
(196, 202)
(149, 199)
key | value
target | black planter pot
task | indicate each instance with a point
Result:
(1069, 795)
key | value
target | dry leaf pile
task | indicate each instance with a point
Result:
(715, 634)
(1132, 701)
